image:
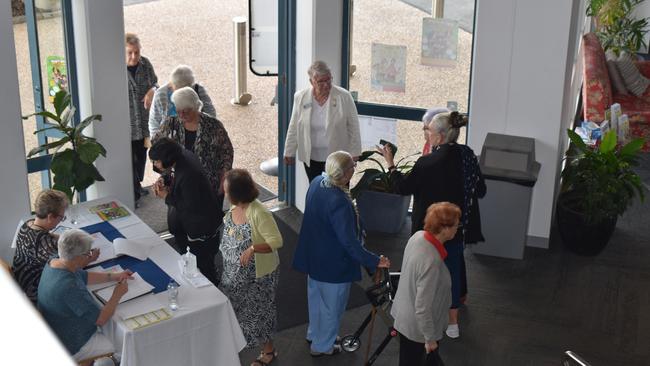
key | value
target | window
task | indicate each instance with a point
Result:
(43, 57)
(403, 57)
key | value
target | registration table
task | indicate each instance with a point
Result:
(203, 331)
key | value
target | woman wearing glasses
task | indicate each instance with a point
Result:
(201, 134)
(449, 173)
(66, 304)
(324, 119)
(35, 244)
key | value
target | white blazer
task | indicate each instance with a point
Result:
(342, 128)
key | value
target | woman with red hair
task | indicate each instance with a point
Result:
(421, 305)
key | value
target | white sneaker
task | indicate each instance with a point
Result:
(453, 331)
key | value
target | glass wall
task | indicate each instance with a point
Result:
(402, 56)
(42, 71)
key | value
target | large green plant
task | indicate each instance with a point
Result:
(379, 179)
(73, 167)
(618, 30)
(599, 182)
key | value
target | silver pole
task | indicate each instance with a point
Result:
(241, 97)
(438, 8)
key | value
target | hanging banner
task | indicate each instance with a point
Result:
(57, 75)
(388, 68)
(439, 42)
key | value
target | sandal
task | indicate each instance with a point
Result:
(259, 361)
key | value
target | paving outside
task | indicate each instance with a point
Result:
(200, 34)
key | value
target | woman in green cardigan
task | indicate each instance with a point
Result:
(250, 263)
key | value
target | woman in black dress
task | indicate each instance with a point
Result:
(449, 173)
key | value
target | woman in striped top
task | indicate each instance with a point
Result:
(35, 244)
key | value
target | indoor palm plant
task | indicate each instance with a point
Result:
(617, 27)
(72, 167)
(380, 207)
(598, 185)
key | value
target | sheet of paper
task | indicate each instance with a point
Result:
(374, 129)
(137, 287)
(106, 249)
(133, 248)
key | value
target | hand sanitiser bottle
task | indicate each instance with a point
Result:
(189, 264)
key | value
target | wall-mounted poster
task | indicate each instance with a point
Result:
(439, 42)
(388, 68)
(374, 129)
(57, 75)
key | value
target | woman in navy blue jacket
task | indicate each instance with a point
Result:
(330, 251)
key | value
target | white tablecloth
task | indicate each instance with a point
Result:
(204, 331)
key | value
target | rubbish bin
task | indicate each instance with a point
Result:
(510, 171)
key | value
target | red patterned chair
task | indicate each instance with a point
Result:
(597, 95)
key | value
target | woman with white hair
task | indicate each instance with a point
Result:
(162, 106)
(450, 173)
(330, 250)
(427, 118)
(201, 134)
(324, 119)
(66, 304)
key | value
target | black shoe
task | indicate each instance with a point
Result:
(336, 349)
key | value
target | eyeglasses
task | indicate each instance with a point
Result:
(323, 81)
(62, 217)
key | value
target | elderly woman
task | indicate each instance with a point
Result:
(192, 213)
(449, 173)
(66, 304)
(35, 244)
(330, 251)
(324, 119)
(250, 263)
(423, 296)
(162, 106)
(142, 84)
(426, 121)
(201, 134)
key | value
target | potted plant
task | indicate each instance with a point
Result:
(598, 185)
(617, 27)
(73, 167)
(380, 207)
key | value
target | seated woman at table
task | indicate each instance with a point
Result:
(66, 304)
(250, 261)
(35, 244)
(192, 213)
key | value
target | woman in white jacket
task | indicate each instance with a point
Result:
(324, 119)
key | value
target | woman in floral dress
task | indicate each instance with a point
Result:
(250, 263)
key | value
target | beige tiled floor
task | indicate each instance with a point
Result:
(199, 33)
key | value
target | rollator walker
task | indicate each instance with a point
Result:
(380, 291)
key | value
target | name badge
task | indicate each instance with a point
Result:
(307, 106)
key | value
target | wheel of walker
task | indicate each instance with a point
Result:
(350, 343)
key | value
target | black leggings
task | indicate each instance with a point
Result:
(413, 354)
(314, 169)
